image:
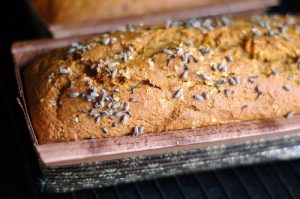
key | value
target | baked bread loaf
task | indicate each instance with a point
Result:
(74, 11)
(178, 75)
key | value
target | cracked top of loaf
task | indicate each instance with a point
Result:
(177, 75)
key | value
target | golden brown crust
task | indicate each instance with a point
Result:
(248, 68)
(74, 11)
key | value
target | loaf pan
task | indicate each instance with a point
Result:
(77, 165)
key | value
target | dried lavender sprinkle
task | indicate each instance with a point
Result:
(150, 62)
(192, 59)
(231, 81)
(255, 32)
(90, 98)
(71, 50)
(104, 113)
(92, 137)
(226, 20)
(131, 27)
(133, 89)
(94, 89)
(114, 97)
(141, 129)
(114, 73)
(198, 97)
(119, 114)
(222, 67)
(102, 104)
(108, 99)
(287, 88)
(205, 95)
(169, 61)
(106, 41)
(178, 93)
(116, 105)
(186, 67)
(136, 131)
(64, 70)
(168, 23)
(93, 112)
(259, 91)
(126, 106)
(94, 94)
(230, 58)
(113, 64)
(286, 37)
(51, 75)
(205, 77)
(184, 75)
(109, 105)
(113, 40)
(193, 23)
(227, 92)
(75, 94)
(130, 48)
(117, 89)
(271, 32)
(179, 50)
(105, 130)
(97, 105)
(97, 119)
(114, 124)
(205, 51)
(104, 94)
(124, 119)
(168, 52)
(133, 100)
(111, 112)
(125, 56)
(245, 106)
(220, 82)
(185, 58)
(237, 80)
(290, 114)
(213, 67)
(291, 77)
(129, 113)
(252, 79)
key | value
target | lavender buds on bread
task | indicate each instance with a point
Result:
(178, 75)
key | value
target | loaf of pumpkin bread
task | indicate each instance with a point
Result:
(74, 11)
(178, 75)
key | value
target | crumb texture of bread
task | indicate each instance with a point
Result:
(178, 75)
